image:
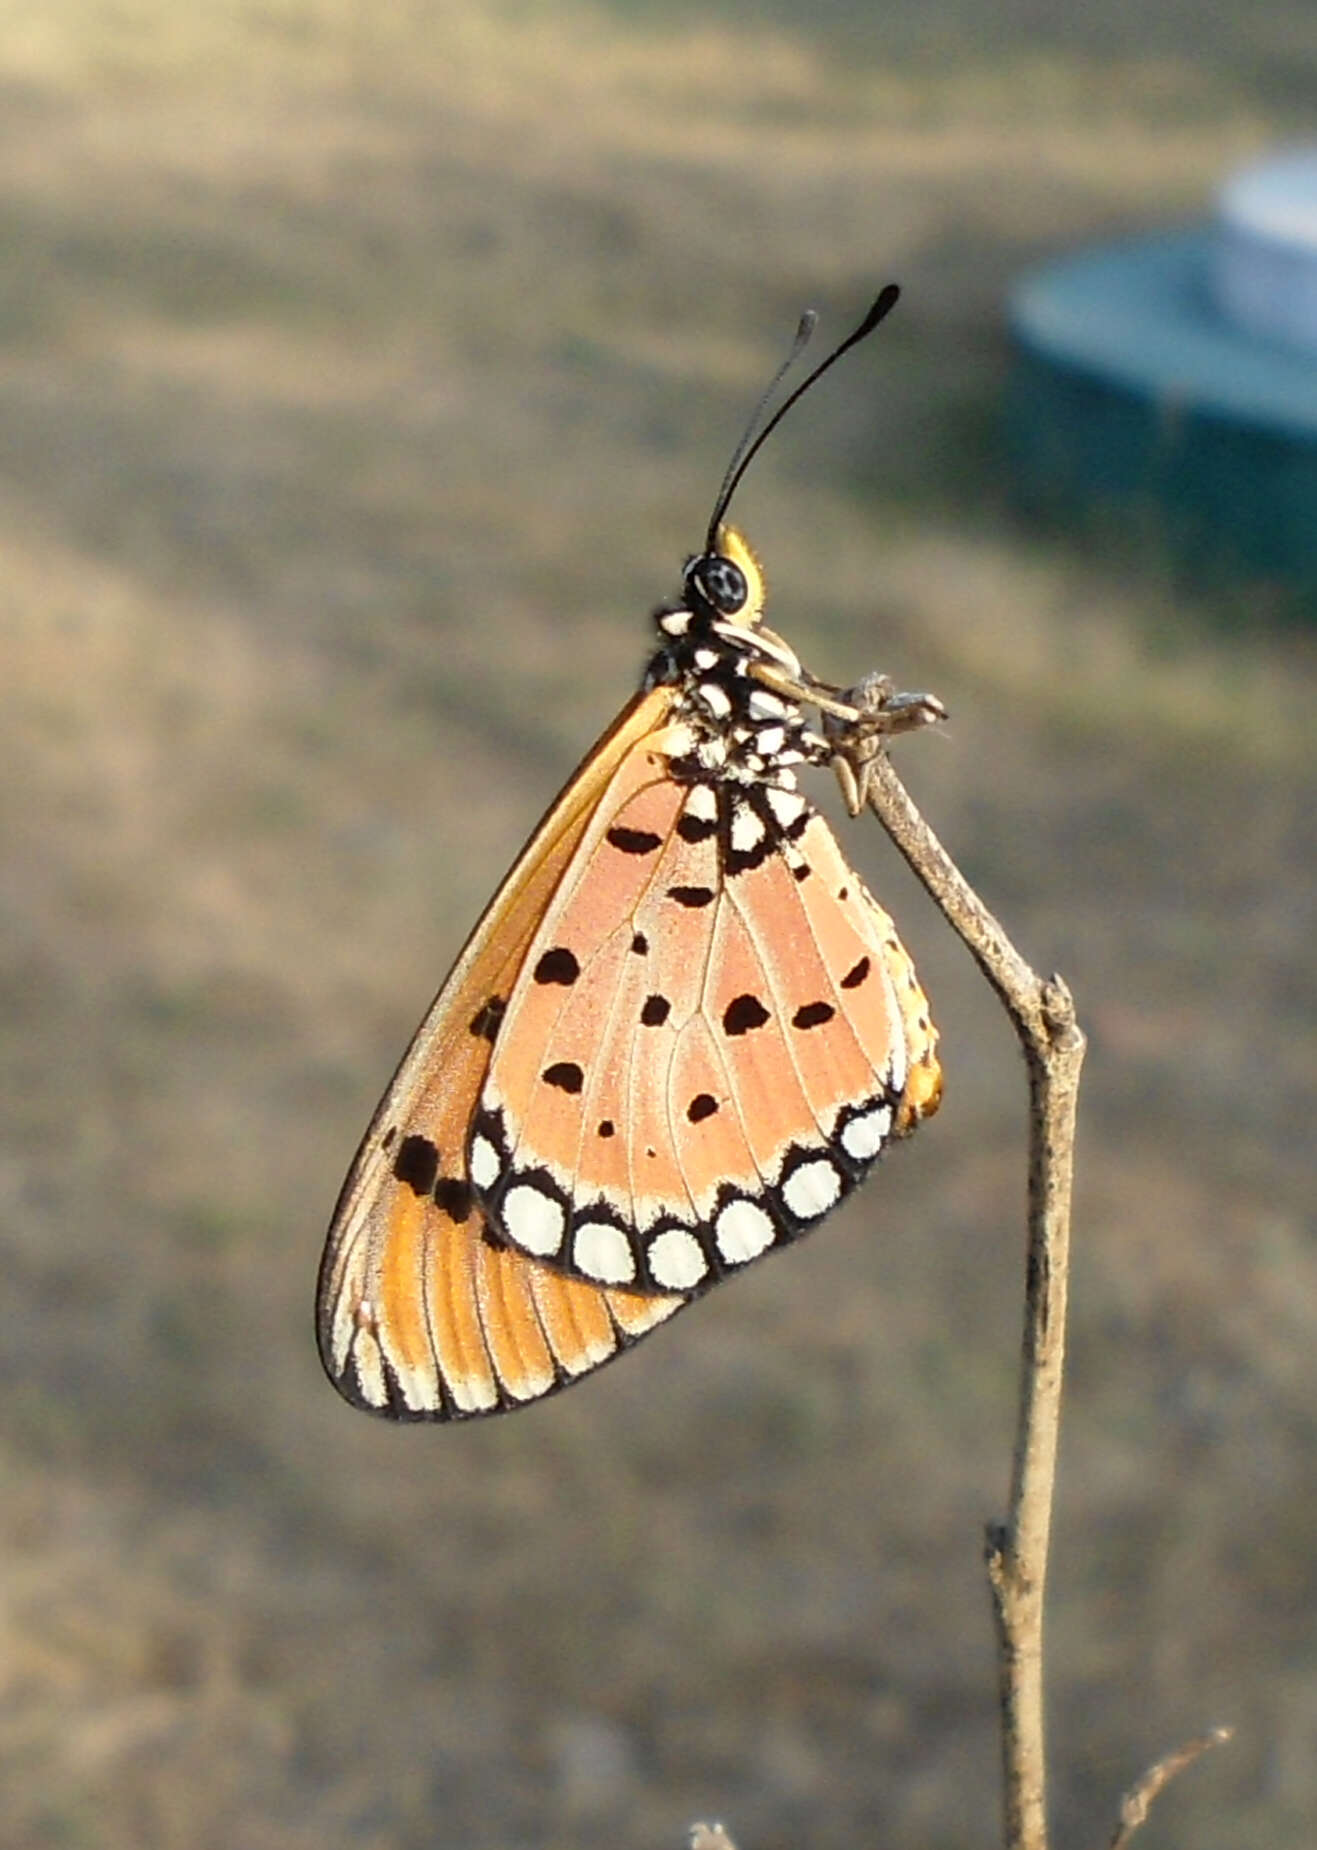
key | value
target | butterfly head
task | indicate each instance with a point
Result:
(725, 583)
(718, 625)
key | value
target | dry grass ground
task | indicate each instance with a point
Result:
(365, 373)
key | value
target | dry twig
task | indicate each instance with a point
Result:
(1042, 1013)
(1043, 1016)
(709, 1837)
(1137, 1802)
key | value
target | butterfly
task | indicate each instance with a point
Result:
(681, 1033)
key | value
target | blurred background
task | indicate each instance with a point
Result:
(366, 373)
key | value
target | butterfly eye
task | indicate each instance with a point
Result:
(717, 584)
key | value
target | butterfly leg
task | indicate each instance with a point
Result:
(880, 711)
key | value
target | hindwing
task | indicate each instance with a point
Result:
(714, 1034)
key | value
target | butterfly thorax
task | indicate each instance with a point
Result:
(715, 652)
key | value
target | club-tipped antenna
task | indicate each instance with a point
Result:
(751, 443)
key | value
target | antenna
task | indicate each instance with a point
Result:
(804, 331)
(749, 446)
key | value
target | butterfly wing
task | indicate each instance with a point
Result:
(681, 1033)
(423, 1312)
(714, 1034)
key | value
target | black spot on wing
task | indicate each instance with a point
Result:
(488, 1018)
(744, 1013)
(813, 1015)
(693, 896)
(416, 1164)
(633, 841)
(640, 944)
(856, 974)
(607, 1128)
(456, 1198)
(694, 828)
(702, 1106)
(566, 1075)
(557, 966)
(655, 1012)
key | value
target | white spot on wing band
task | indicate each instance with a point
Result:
(743, 1230)
(370, 1369)
(533, 1220)
(764, 705)
(676, 1260)
(706, 659)
(603, 1251)
(644, 1210)
(419, 1384)
(895, 1076)
(787, 806)
(484, 1163)
(472, 1393)
(771, 740)
(342, 1332)
(702, 803)
(714, 698)
(747, 830)
(812, 1189)
(864, 1136)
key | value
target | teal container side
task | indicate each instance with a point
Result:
(1110, 425)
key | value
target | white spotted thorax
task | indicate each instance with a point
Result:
(741, 730)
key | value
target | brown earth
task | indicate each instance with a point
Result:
(365, 375)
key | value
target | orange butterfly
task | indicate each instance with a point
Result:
(680, 1034)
